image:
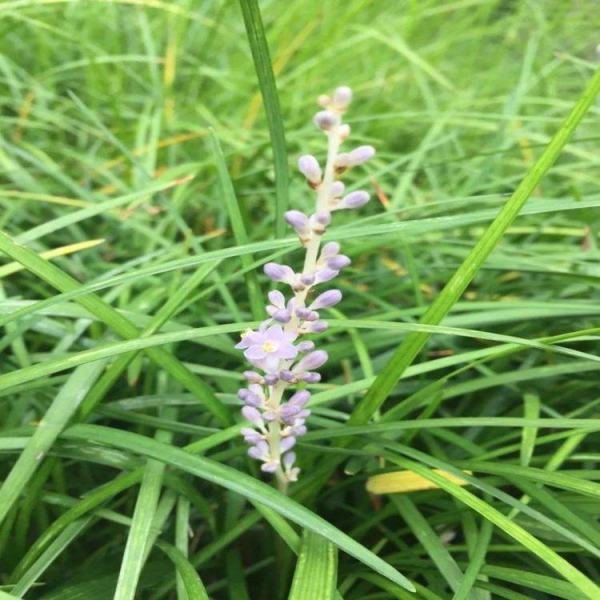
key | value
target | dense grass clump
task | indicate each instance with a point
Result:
(453, 443)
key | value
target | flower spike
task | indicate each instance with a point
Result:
(274, 349)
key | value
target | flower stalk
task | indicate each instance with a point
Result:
(275, 347)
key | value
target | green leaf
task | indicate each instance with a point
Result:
(266, 81)
(50, 426)
(238, 482)
(239, 229)
(51, 553)
(532, 411)
(166, 312)
(316, 569)
(113, 319)
(454, 288)
(541, 550)
(191, 580)
(430, 541)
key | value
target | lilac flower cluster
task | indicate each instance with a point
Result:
(274, 349)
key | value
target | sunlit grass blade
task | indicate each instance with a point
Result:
(15, 267)
(266, 80)
(453, 290)
(113, 319)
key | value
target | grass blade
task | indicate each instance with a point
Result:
(266, 81)
(113, 319)
(240, 483)
(56, 417)
(191, 580)
(316, 569)
(453, 290)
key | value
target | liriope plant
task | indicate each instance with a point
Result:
(278, 348)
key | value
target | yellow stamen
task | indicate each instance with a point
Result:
(269, 347)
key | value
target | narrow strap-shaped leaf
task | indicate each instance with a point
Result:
(52, 423)
(191, 580)
(116, 321)
(139, 540)
(541, 550)
(532, 411)
(266, 81)
(316, 569)
(430, 540)
(166, 312)
(453, 290)
(239, 228)
(51, 553)
(240, 483)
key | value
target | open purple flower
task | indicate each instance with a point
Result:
(266, 348)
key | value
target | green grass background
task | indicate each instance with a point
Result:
(137, 129)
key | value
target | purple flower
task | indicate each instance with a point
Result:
(325, 274)
(337, 263)
(265, 348)
(330, 249)
(277, 422)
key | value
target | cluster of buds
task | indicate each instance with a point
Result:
(274, 348)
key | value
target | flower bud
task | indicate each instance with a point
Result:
(252, 377)
(287, 375)
(309, 167)
(287, 443)
(326, 299)
(288, 459)
(342, 96)
(271, 379)
(278, 272)
(312, 361)
(300, 398)
(361, 154)
(330, 249)
(337, 189)
(251, 414)
(344, 131)
(354, 199)
(305, 346)
(269, 467)
(251, 436)
(318, 326)
(325, 274)
(282, 315)
(337, 263)
(311, 377)
(307, 278)
(324, 100)
(298, 220)
(276, 298)
(325, 120)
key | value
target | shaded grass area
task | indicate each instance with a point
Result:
(136, 157)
